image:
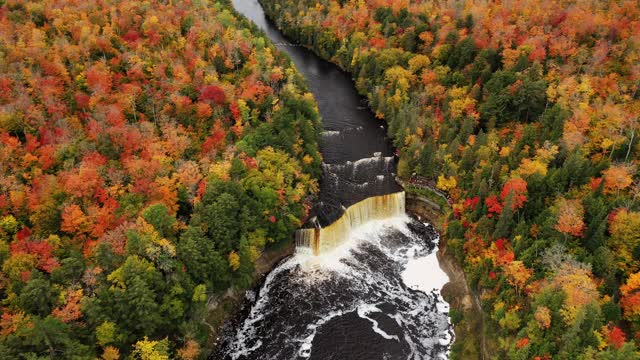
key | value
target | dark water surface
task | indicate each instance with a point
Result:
(354, 143)
(353, 303)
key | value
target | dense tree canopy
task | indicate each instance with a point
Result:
(149, 152)
(526, 113)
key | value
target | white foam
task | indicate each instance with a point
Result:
(345, 262)
(424, 273)
(365, 310)
(248, 329)
(376, 158)
(306, 343)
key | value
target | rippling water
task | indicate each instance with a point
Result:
(376, 296)
(373, 298)
(352, 132)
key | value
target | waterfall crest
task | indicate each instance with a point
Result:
(320, 240)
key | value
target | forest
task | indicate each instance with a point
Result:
(526, 114)
(150, 151)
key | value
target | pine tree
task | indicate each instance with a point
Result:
(503, 227)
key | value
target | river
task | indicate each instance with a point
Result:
(375, 295)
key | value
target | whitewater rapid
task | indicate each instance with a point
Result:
(373, 290)
(377, 296)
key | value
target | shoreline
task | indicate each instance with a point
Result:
(466, 313)
(224, 308)
(467, 343)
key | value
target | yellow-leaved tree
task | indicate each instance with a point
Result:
(234, 260)
(151, 350)
(446, 183)
(625, 238)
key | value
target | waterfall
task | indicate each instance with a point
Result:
(321, 240)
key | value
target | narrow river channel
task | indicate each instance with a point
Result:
(375, 295)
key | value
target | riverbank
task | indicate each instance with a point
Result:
(230, 307)
(466, 310)
(223, 308)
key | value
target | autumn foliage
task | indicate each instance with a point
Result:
(531, 107)
(139, 171)
(517, 188)
(570, 217)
